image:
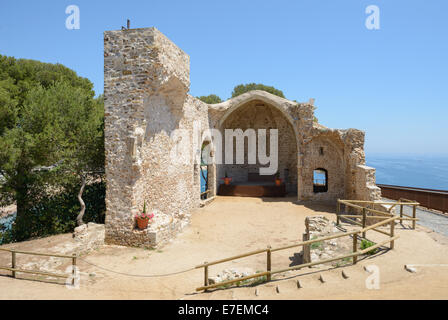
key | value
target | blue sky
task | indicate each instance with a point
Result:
(391, 82)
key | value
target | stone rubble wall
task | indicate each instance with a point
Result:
(322, 152)
(317, 227)
(88, 237)
(366, 188)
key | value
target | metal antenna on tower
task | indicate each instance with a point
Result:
(128, 25)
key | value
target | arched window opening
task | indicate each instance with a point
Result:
(320, 180)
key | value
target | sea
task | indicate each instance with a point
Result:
(421, 171)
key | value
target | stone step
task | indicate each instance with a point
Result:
(288, 287)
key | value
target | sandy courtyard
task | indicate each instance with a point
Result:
(231, 226)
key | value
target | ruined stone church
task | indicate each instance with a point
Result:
(146, 85)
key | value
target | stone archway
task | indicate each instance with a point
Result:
(258, 114)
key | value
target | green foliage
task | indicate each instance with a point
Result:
(56, 213)
(316, 245)
(256, 281)
(51, 133)
(243, 88)
(343, 262)
(367, 244)
(210, 99)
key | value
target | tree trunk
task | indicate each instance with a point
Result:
(22, 202)
(83, 205)
(22, 206)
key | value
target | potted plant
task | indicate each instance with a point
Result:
(143, 218)
(226, 179)
(278, 181)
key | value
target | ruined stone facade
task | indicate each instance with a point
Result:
(146, 84)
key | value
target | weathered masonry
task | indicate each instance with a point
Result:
(146, 84)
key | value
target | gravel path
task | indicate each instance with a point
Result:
(429, 219)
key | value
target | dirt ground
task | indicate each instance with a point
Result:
(227, 227)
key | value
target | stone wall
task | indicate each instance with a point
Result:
(145, 86)
(323, 153)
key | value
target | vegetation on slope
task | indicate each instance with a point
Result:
(51, 141)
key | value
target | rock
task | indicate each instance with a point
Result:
(317, 224)
(231, 274)
(324, 256)
(321, 279)
(80, 231)
(410, 269)
(89, 237)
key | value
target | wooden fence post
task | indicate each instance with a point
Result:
(268, 262)
(306, 249)
(13, 263)
(73, 269)
(414, 214)
(392, 233)
(338, 211)
(355, 247)
(205, 275)
(364, 218)
(401, 213)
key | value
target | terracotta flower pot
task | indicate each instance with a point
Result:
(227, 181)
(278, 182)
(142, 223)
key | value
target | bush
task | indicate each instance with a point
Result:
(55, 214)
(210, 99)
(243, 88)
(316, 245)
(367, 244)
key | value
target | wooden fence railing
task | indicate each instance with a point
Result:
(388, 219)
(14, 268)
(358, 205)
